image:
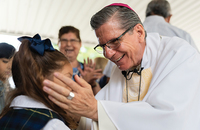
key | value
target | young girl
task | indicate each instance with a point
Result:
(6, 56)
(28, 107)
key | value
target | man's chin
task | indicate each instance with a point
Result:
(123, 68)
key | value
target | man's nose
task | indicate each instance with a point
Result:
(108, 53)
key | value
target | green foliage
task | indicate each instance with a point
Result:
(88, 52)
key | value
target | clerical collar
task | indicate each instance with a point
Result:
(134, 68)
(138, 69)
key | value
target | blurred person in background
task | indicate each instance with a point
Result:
(158, 15)
(70, 44)
(101, 63)
(6, 57)
(107, 72)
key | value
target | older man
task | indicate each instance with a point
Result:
(155, 84)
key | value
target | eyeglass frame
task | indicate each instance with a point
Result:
(66, 40)
(113, 40)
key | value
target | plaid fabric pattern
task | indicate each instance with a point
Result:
(27, 119)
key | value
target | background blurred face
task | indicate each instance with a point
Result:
(5, 68)
(70, 45)
(130, 52)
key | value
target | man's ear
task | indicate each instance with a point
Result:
(168, 18)
(141, 32)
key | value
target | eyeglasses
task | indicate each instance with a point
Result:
(65, 41)
(112, 44)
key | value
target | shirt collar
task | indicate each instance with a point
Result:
(23, 101)
(155, 18)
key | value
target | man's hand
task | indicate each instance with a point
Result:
(84, 102)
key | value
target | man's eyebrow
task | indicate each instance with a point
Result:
(113, 39)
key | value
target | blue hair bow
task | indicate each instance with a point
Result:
(38, 45)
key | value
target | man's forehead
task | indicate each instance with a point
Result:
(108, 31)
